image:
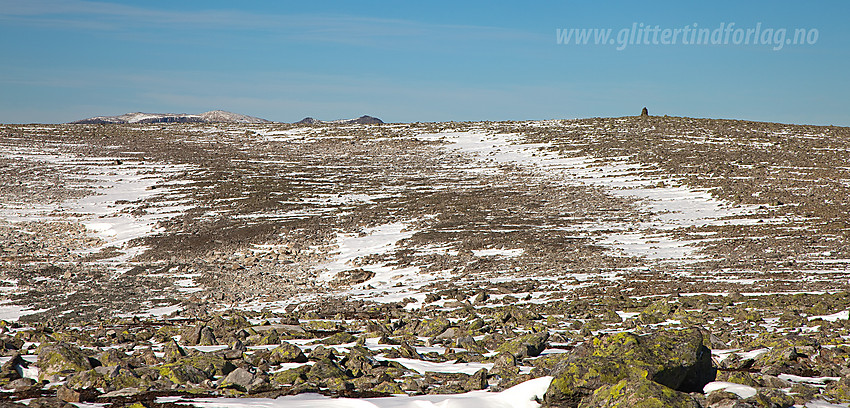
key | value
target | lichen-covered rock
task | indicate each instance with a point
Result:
(338, 338)
(112, 357)
(360, 362)
(433, 327)
(240, 379)
(657, 312)
(61, 359)
(770, 398)
(469, 343)
(107, 379)
(840, 390)
(287, 353)
(477, 381)
(675, 359)
(209, 363)
(10, 369)
(293, 376)
(183, 373)
(324, 369)
(638, 393)
(173, 351)
(389, 387)
(528, 345)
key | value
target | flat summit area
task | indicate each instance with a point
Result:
(407, 258)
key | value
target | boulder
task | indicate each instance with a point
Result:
(528, 345)
(183, 373)
(173, 351)
(293, 376)
(287, 353)
(11, 370)
(107, 378)
(840, 390)
(675, 359)
(325, 369)
(433, 327)
(61, 359)
(240, 379)
(360, 362)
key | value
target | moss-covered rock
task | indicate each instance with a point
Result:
(61, 359)
(324, 369)
(360, 362)
(839, 390)
(287, 353)
(173, 351)
(770, 398)
(183, 373)
(113, 378)
(388, 387)
(196, 368)
(112, 357)
(293, 376)
(528, 345)
(657, 312)
(638, 393)
(337, 338)
(675, 359)
(433, 327)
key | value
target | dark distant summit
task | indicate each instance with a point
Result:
(363, 120)
(216, 116)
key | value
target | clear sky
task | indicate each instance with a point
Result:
(419, 61)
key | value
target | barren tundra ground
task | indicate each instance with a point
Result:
(426, 259)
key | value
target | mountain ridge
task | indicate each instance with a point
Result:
(363, 120)
(214, 116)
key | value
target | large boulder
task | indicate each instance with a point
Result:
(197, 368)
(675, 359)
(107, 378)
(287, 353)
(61, 359)
(529, 345)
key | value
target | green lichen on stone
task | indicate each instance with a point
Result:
(389, 387)
(182, 373)
(120, 378)
(528, 345)
(62, 359)
(638, 393)
(338, 338)
(287, 353)
(433, 327)
(839, 391)
(292, 376)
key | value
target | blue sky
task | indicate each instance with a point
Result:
(414, 61)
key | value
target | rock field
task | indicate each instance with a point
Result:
(636, 261)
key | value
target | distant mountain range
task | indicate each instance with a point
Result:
(363, 120)
(216, 116)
